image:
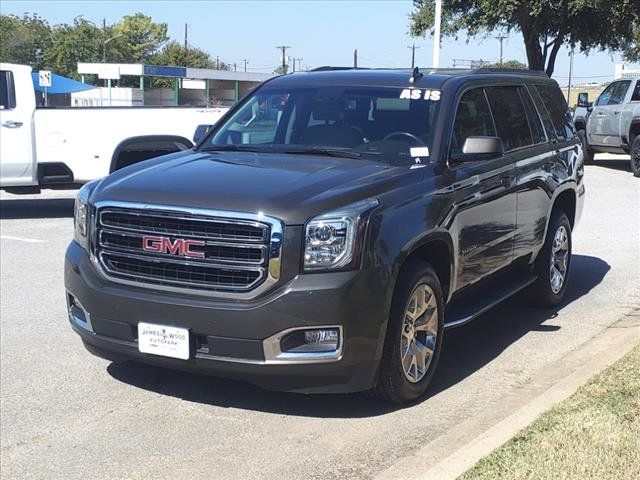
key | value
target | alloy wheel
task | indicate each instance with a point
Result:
(419, 333)
(559, 259)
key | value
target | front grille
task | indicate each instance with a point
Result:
(149, 247)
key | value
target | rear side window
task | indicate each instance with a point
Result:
(556, 105)
(636, 93)
(7, 90)
(544, 114)
(473, 119)
(509, 115)
(537, 132)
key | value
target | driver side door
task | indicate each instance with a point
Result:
(604, 124)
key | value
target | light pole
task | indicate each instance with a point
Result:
(436, 35)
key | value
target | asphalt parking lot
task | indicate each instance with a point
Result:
(66, 414)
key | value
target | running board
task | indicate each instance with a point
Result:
(462, 311)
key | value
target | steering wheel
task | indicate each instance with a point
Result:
(413, 138)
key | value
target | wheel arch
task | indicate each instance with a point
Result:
(145, 140)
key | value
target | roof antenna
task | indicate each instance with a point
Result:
(415, 75)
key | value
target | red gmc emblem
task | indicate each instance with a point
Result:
(178, 246)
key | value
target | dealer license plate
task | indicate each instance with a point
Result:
(163, 340)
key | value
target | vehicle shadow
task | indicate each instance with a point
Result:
(36, 208)
(467, 349)
(622, 164)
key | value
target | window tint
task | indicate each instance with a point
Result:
(556, 105)
(7, 92)
(544, 113)
(473, 118)
(509, 116)
(537, 132)
(636, 93)
(619, 92)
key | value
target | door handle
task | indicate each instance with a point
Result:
(547, 167)
(616, 113)
(11, 124)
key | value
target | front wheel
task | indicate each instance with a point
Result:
(635, 156)
(586, 153)
(553, 262)
(414, 336)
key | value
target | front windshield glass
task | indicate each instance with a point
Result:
(378, 123)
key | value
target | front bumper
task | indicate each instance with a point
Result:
(227, 337)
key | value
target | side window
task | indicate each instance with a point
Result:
(7, 90)
(619, 92)
(473, 118)
(636, 93)
(604, 97)
(556, 105)
(537, 132)
(509, 115)
(544, 113)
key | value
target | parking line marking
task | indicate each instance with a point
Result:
(22, 239)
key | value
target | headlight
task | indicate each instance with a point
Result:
(331, 239)
(81, 215)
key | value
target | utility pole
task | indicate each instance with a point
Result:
(186, 46)
(413, 55)
(284, 57)
(104, 40)
(245, 63)
(570, 74)
(501, 39)
(235, 68)
(299, 64)
(217, 62)
(355, 58)
(436, 34)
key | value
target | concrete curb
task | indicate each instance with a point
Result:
(462, 447)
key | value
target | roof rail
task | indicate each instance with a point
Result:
(489, 70)
(328, 68)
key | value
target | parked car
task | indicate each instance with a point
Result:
(613, 123)
(330, 227)
(45, 147)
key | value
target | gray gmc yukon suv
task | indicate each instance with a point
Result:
(329, 229)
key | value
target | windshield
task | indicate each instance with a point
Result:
(381, 123)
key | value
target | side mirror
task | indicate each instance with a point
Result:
(201, 131)
(583, 99)
(481, 148)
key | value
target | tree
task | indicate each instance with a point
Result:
(24, 40)
(282, 70)
(80, 42)
(545, 25)
(173, 53)
(136, 39)
(513, 64)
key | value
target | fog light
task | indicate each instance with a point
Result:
(316, 340)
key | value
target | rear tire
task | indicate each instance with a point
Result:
(553, 262)
(414, 336)
(586, 152)
(635, 156)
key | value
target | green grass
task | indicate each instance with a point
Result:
(593, 434)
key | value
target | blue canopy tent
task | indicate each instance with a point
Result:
(60, 84)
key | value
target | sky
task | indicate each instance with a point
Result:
(318, 32)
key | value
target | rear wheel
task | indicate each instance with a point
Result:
(587, 154)
(414, 336)
(635, 156)
(553, 262)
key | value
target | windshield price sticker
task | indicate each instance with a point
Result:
(419, 94)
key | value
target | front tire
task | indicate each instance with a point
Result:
(635, 156)
(414, 336)
(553, 262)
(587, 154)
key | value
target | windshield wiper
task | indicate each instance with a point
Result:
(328, 151)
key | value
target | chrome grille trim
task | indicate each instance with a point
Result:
(269, 248)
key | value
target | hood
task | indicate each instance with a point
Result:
(287, 186)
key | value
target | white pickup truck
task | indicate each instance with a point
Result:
(612, 124)
(49, 147)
